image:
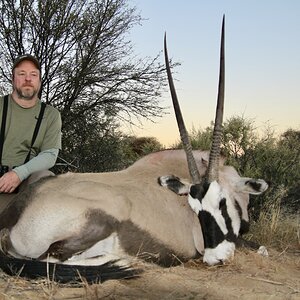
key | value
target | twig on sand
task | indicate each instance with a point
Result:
(265, 280)
(273, 282)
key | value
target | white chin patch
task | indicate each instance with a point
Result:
(224, 251)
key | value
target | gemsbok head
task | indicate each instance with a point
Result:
(218, 212)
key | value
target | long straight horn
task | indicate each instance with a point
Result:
(182, 130)
(213, 167)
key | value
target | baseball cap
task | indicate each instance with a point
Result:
(26, 57)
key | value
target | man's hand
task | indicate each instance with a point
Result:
(9, 182)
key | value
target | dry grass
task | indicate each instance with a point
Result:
(247, 276)
(276, 228)
(269, 277)
(13, 287)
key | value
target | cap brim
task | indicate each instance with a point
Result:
(26, 57)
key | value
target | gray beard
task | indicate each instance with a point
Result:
(27, 95)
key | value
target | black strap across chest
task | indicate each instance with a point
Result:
(3, 124)
(36, 129)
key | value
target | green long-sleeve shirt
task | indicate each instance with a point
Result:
(20, 124)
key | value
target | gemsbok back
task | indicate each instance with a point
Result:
(97, 224)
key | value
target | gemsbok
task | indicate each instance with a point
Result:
(97, 224)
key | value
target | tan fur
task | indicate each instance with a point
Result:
(59, 206)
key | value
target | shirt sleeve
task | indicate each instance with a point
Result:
(43, 161)
(52, 138)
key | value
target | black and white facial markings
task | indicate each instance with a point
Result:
(218, 214)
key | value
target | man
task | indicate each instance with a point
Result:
(20, 160)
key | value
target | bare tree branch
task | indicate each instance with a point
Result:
(87, 61)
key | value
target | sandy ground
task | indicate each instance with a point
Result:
(248, 276)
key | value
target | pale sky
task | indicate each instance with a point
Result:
(262, 43)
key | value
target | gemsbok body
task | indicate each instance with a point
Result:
(163, 209)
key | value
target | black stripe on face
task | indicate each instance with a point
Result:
(245, 226)
(238, 208)
(212, 234)
(198, 191)
(230, 236)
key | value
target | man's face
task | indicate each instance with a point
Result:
(26, 80)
